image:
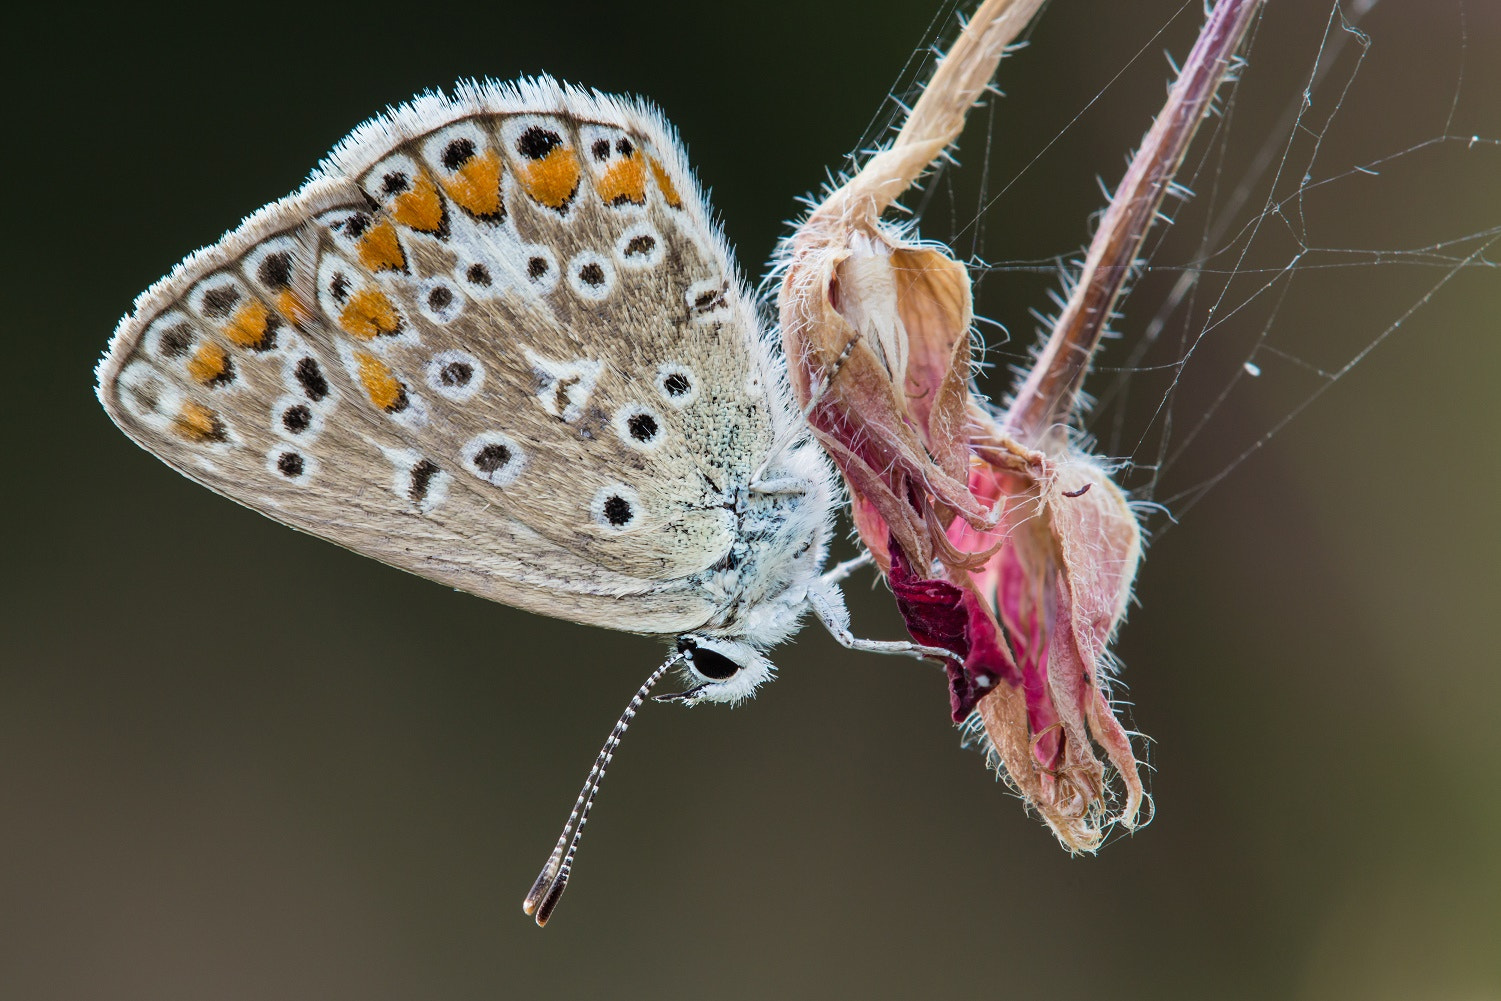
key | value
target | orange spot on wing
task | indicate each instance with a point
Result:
(381, 384)
(198, 423)
(476, 185)
(209, 363)
(624, 181)
(290, 305)
(379, 249)
(420, 208)
(553, 179)
(369, 314)
(247, 327)
(665, 183)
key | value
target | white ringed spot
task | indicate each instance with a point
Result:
(478, 277)
(639, 427)
(290, 464)
(455, 375)
(640, 247)
(616, 507)
(540, 265)
(677, 384)
(439, 299)
(591, 276)
(494, 458)
(295, 419)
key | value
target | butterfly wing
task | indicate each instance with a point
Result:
(496, 340)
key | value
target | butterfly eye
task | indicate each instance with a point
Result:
(495, 458)
(715, 666)
(710, 663)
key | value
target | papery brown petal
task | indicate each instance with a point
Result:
(1099, 543)
(933, 301)
(879, 511)
(862, 407)
(1109, 734)
(872, 529)
(1024, 586)
(1068, 790)
(840, 317)
(865, 294)
(952, 557)
(1079, 780)
(1003, 714)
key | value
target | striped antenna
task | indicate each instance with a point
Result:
(553, 880)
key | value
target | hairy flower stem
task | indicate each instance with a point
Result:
(1045, 402)
(936, 120)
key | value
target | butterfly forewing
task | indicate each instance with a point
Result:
(495, 336)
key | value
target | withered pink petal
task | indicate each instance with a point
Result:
(848, 346)
(1099, 542)
(879, 512)
(1031, 548)
(932, 609)
(941, 614)
(1107, 731)
(1002, 541)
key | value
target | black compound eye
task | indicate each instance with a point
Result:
(710, 663)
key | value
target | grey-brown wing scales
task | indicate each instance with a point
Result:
(496, 342)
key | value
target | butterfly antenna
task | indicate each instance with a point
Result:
(553, 880)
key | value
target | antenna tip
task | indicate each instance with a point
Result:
(538, 892)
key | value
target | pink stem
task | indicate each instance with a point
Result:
(1047, 398)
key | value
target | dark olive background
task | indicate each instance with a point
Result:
(237, 762)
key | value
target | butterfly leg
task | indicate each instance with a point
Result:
(828, 604)
(842, 570)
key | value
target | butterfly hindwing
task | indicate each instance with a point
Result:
(495, 341)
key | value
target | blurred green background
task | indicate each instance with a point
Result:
(237, 762)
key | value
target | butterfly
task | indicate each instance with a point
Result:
(497, 340)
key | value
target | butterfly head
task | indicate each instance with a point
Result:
(719, 669)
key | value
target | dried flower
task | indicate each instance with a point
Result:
(1002, 540)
